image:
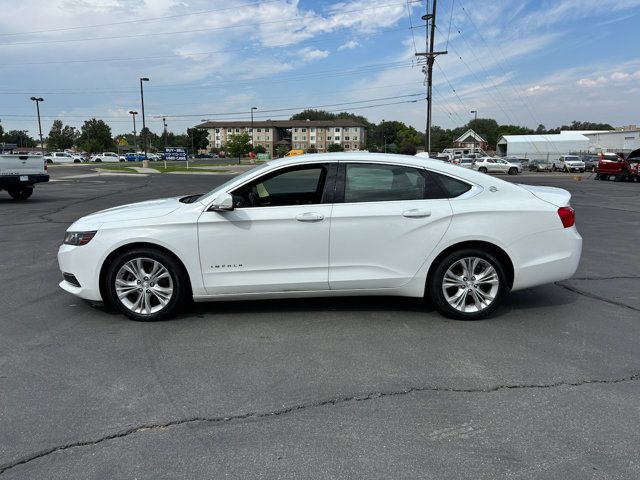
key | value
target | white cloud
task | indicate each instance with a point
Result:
(351, 44)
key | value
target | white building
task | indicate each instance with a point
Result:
(614, 141)
(546, 146)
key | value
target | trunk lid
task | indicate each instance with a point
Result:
(21, 165)
(555, 196)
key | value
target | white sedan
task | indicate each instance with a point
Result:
(328, 225)
(497, 165)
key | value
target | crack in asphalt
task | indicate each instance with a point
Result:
(305, 406)
(596, 297)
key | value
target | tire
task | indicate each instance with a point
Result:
(21, 193)
(76, 161)
(513, 171)
(624, 176)
(150, 301)
(582, 170)
(603, 177)
(482, 169)
(553, 167)
(444, 298)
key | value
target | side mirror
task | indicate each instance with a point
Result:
(222, 203)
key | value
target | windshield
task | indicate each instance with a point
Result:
(571, 159)
(249, 173)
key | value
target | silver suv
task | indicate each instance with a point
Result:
(568, 163)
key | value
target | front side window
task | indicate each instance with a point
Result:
(382, 183)
(294, 186)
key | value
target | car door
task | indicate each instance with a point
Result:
(276, 238)
(502, 166)
(386, 221)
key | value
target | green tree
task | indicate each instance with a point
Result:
(60, 137)
(19, 137)
(281, 150)
(311, 114)
(238, 145)
(541, 129)
(95, 136)
(200, 138)
(259, 149)
(2, 133)
(335, 147)
(485, 126)
(150, 138)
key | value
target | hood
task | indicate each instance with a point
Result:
(134, 211)
(635, 155)
(552, 195)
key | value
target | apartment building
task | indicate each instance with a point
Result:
(308, 135)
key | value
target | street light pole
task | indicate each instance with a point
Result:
(252, 109)
(135, 139)
(38, 100)
(164, 123)
(144, 125)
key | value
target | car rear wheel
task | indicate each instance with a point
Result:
(482, 169)
(513, 171)
(21, 193)
(467, 284)
(145, 285)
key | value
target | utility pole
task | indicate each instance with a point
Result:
(144, 125)
(430, 19)
(135, 138)
(475, 120)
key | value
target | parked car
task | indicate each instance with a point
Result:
(496, 165)
(623, 170)
(105, 157)
(540, 166)
(590, 162)
(19, 173)
(346, 224)
(568, 163)
(466, 162)
(133, 157)
(61, 157)
(515, 159)
(154, 157)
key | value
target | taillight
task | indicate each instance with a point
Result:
(567, 216)
(46, 167)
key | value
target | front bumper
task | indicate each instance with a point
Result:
(81, 262)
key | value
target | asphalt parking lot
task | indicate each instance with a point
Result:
(325, 388)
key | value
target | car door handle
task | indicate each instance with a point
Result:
(309, 217)
(416, 213)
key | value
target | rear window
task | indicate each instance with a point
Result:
(451, 186)
(612, 157)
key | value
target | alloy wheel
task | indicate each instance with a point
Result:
(144, 286)
(470, 284)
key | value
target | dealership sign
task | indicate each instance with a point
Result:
(175, 153)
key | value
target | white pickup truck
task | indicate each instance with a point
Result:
(18, 174)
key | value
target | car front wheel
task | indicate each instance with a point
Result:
(482, 169)
(145, 285)
(513, 171)
(467, 284)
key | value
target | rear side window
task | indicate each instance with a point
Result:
(451, 186)
(382, 183)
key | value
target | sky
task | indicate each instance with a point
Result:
(520, 62)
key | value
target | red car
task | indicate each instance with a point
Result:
(623, 170)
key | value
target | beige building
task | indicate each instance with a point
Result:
(308, 135)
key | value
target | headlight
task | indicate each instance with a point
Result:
(78, 238)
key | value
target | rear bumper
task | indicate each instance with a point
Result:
(10, 181)
(546, 257)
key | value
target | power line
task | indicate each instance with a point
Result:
(332, 73)
(196, 54)
(149, 19)
(191, 31)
